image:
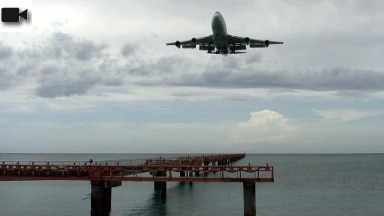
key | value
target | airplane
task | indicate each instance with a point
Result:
(220, 42)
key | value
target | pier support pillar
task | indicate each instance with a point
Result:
(182, 174)
(190, 174)
(249, 194)
(101, 195)
(205, 169)
(161, 187)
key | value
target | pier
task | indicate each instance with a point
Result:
(104, 175)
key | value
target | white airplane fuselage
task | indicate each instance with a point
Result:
(219, 30)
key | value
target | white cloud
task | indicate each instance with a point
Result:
(264, 127)
(346, 115)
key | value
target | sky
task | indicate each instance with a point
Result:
(96, 76)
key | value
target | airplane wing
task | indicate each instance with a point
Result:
(253, 43)
(205, 43)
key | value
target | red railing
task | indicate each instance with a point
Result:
(136, 173)
(161, 169)
(129, 162)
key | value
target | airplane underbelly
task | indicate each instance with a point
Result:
(221, 42)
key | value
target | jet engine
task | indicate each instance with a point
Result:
(246, 40)
(178, 45)
(193, 40)
(266, 43)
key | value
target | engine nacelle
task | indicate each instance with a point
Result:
(189, 46)
(266, 43)
(193, 40)
(246, 40)
(178, 45)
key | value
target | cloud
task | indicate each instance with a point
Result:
(336, 79)
(253, 58)
(66, 46)
(59, 65)
(6, 51)
(120, 77)
(265, 132)
(112, 137)
(128, 50)
(264, 127)
(16, 109)
(52, 88)
(346, 115)
(329, 54)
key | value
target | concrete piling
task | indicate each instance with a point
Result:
(101, 195)
(190, 174)
(160, 187)
(249, 195)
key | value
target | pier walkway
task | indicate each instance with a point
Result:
(104, 175)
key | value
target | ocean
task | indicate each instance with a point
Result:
(305, 184)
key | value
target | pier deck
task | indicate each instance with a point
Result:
(104, 175)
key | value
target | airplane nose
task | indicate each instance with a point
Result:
(216, 21)
(216, 15)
